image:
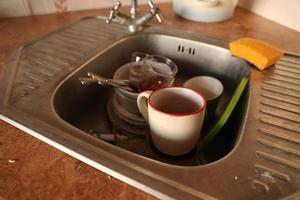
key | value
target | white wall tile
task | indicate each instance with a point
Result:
(37, 7)
(127, 2)
(41, 6)
(285, 12)
(49, 6)
(88, 4)
(102, 3)
(9, 8)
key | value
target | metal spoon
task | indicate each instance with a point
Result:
(94, 78)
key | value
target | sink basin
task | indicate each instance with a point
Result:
(88, 107)
(256, 154)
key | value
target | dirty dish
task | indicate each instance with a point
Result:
(126, 99)
(211, 88)
(158, 72)
(136, 70)
(175, 116)
(147, 72)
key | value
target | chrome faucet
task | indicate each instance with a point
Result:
(135, 21)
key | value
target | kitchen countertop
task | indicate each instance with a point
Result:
(31, 169)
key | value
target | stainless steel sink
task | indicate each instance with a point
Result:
(86, 107)
(242, 161)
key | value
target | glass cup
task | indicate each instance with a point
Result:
(136, 69)
(145, 72)
(157, 72)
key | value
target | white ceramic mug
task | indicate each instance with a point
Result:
(175, 116)
(212, 89)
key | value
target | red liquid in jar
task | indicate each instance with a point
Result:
(160, 75)
(153, 84)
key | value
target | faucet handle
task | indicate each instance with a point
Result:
(113, 12)
(155, 11)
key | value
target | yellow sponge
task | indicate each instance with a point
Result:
(257, 52)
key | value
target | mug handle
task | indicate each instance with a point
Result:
(142, 103)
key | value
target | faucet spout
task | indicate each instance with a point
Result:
(134, 9)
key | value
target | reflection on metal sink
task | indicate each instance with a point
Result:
(71, 116)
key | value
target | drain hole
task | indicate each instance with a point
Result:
(193, 52)
(182, 49)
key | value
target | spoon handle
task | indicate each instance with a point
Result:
(105, 81)
(87, 80)
(94, 78)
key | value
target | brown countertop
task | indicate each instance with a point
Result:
(31, 169)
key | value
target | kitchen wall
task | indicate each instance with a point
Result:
(9, 8)
(285, 12)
